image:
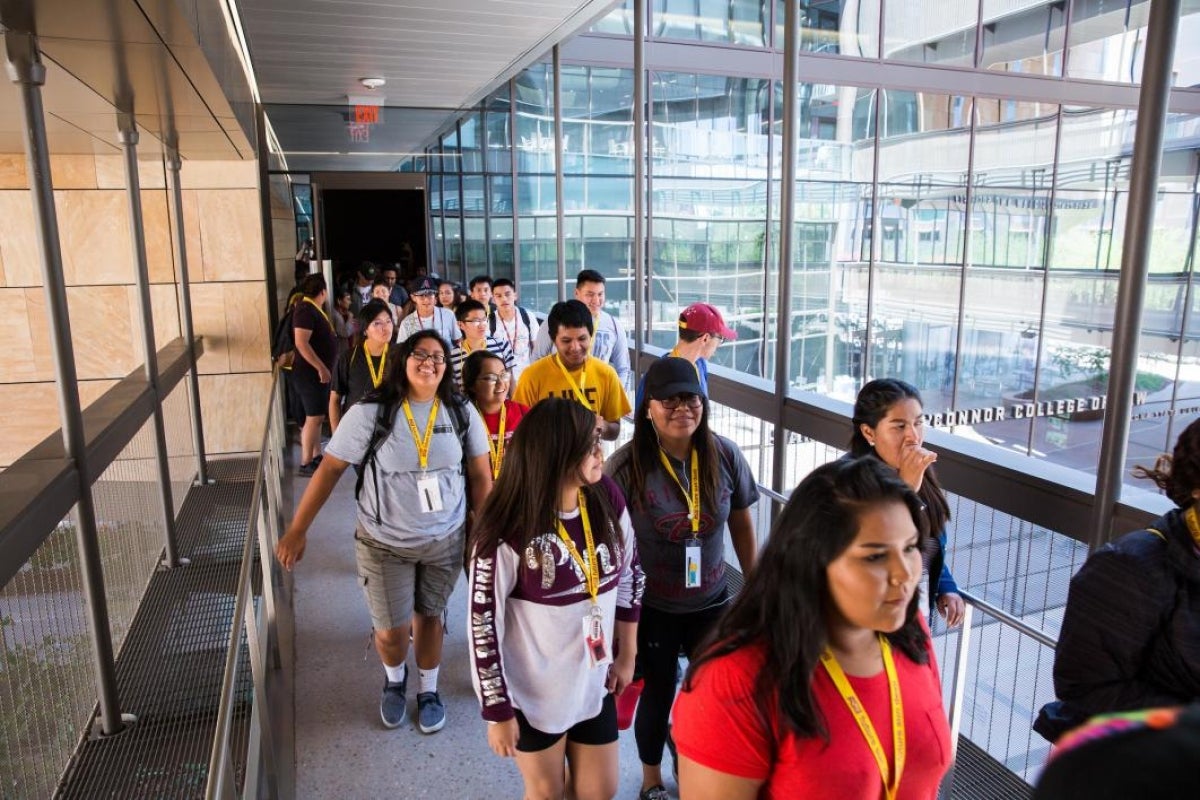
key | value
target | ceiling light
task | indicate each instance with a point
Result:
(372, 83)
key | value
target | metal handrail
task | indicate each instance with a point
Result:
(1000, 615)
(220, 778)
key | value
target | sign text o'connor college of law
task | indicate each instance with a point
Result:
(1043, 408)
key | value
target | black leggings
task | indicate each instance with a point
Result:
(661, 635)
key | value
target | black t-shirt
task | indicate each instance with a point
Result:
(323, 339)
(352, 376)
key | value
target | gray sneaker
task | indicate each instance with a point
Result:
(658, 792)
(431, 714)
(391, 704)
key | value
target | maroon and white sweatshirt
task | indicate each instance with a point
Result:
(526, 622)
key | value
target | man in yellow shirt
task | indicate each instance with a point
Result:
(572, 372)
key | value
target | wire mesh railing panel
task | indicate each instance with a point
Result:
(47, 683)
(129, 522)
(181, 450)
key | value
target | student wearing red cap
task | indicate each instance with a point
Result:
(702, 329)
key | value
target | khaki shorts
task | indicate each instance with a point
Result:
(397, 581)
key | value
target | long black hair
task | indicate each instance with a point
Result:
(546, 449)
(644, 459)
(785, 606)
(1178, 474)
(870, 407)
(395, 388)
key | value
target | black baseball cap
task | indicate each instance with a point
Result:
(424, 285)
(672, 376)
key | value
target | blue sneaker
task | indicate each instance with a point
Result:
(431, 714)
(392, 703)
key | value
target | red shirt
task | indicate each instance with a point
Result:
(511, 418)
(718, 725)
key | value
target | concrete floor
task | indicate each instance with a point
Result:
(342, 749)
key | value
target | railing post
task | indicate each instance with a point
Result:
(185, 317)
(27, 71)
(129, 138)
(643, 316)
(957, 692)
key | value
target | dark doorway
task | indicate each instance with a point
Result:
(385, 226)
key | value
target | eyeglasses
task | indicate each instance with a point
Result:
(478, 321)
(597, 440)
(420, 356)
(692, 401)
(382, 323)
(495, 378)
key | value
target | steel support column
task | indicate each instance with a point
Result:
(1135, 260)
(787, 205)
(27, 71)
(559, 151)
(128, 134)
(641, 291)
(185, 318)
(268, 224)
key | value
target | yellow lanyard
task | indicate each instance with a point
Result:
(891, 782)
(317, 306)
(693, 497)
(376, 377)
(577, 387)
(1193, 524)
(422, 443)
(497, 450)
(590, 568)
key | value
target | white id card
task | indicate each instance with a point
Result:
(691, 564)
(430, 494)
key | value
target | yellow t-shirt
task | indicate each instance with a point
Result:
(601, 386)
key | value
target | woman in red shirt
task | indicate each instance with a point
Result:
(486, 382)
(829, 622)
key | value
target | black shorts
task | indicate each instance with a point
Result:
(314, 395)
(600, 729)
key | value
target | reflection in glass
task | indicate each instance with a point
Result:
(1028, 40)
(741, 22)
(709, 154)
(845, 27)
(930, 32)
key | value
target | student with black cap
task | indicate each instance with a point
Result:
(685, 486)
(428, 315)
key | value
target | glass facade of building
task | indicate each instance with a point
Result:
(969, 243)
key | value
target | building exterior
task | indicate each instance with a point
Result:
(988, 276)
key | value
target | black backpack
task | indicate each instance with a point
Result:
(385, 419)
(283, 342)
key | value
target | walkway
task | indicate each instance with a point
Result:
(342, 748)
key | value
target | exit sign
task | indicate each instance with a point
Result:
(366, 115)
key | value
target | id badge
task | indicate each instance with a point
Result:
(691, 564)
(593, 638)
(429, 493)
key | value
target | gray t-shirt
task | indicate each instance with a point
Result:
(661, 524)
(402, 521)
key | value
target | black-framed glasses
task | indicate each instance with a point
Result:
(476, 321)
(420, 356)
(495, 378)
(692, 401)
(597, 441)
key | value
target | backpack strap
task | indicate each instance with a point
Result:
(384, 419)
(462, 424)
(1157, 533)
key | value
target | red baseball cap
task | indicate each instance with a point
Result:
(703, 318)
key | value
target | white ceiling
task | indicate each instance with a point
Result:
(437, 56)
